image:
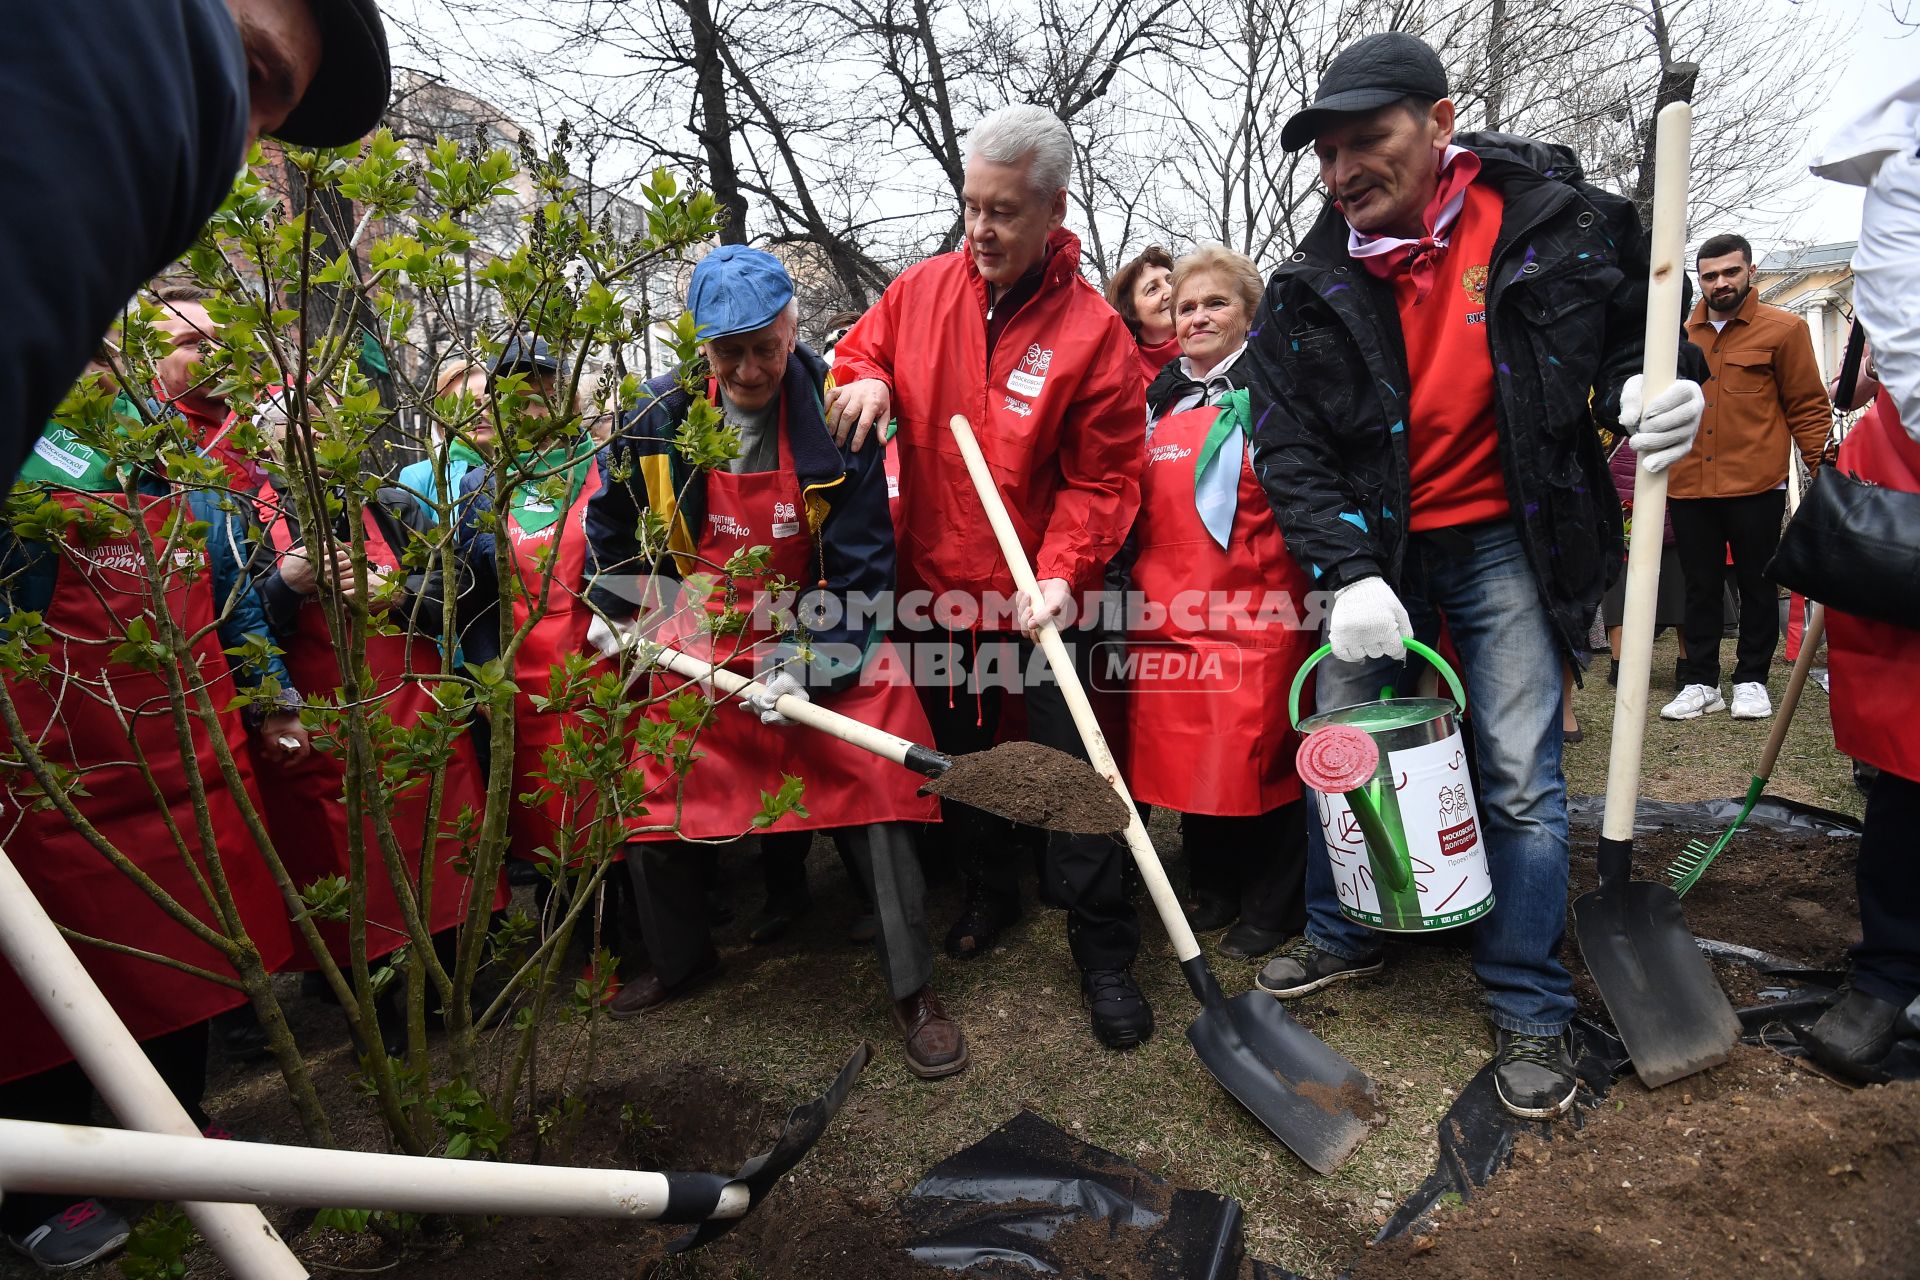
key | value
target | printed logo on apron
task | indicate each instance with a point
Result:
(785, 522)
(722, 525)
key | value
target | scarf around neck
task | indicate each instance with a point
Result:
(1389, 256)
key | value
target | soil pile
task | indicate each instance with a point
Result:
(1757, 1168)
(1036, 785)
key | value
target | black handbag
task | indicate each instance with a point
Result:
(1853, 545)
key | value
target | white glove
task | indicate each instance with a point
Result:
(1368, 621)
(610, 641)
(774, 686)
(1662, 433)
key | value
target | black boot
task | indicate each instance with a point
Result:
(1853, 1037)
(1121, 1016)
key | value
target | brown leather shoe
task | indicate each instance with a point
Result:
(934, 1043)
(647, 991)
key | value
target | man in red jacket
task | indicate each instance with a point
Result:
(1006, 332)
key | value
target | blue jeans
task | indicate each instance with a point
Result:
(1492, 609)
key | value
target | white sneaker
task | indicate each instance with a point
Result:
(1750, 701)
(1695, 700)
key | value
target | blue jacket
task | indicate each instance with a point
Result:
(846, 503)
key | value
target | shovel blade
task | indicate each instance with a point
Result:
(1311, 1097)
(1658, 985)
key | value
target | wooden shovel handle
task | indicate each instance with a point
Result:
(1185, 945)
(1674, 127)
(1790, 701)
(802, 711)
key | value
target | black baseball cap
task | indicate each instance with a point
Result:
(1365, 76)
(351, 88)
(526, 352)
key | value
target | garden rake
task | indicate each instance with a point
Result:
(1685, 870)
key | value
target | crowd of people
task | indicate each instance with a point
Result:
(1403, 432)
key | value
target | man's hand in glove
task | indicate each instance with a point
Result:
(1368, 621)
(774, 686)
(610, 641)
(1662, 430)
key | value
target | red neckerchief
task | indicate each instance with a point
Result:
(1388, 256)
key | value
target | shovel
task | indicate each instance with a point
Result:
(1313, 1099)
(1657, 984)
(1054, 791)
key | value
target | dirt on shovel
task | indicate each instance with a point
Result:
(1035, 785)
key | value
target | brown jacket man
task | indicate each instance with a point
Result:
(1764, 398)
(1765, 387)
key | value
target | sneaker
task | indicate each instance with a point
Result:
(1533, 1074)
(1121, 1016)
(1695, 700)
(1303, 968)
(80, 1233)
(1854, 1036)
(1750, 701)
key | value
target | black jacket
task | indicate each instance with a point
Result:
(126, 125)
(1566, 303)
(846, 509)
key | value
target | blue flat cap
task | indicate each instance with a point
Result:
(524, 351)
(737, 290)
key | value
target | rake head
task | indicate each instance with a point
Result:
(1692, 861)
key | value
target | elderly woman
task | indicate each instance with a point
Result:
(1211, 649)
(1142, 293)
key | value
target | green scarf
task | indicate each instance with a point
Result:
(530, 505)
(60, 459)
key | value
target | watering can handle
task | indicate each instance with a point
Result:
(1439, 664)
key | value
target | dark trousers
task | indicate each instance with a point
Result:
(1886, 961)
(1703, 530)
(1259, 862)
(64, 1095)
(669, 882)
(1084, 874)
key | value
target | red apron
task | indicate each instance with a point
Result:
(1875, 697)
(100, 588)
(844, 786)
(1208, 685)
(561, 631)
(305, 803)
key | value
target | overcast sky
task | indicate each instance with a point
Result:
(1882, 57)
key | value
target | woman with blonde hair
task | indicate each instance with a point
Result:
(463, 450)
(1212, 651)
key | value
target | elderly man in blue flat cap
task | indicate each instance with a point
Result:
(820, 515)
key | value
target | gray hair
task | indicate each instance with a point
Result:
(1013, 133)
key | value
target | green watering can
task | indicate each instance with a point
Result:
(1396, 806)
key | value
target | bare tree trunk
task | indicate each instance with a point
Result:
(715, 122)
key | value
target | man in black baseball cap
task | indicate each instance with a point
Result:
(130, 120)
(1426, 374)
(1369, 73)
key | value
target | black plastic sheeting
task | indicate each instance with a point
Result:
(1771, 814)
(1797, 999)
(994, 1209)
(1477, 1134)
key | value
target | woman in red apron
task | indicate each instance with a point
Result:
(1876, 720)
(823, 516)
(88, 590)
(306, 812)
(1215, 636)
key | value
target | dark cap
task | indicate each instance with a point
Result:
(350, 89)
(1365, 76)
(523, 353)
